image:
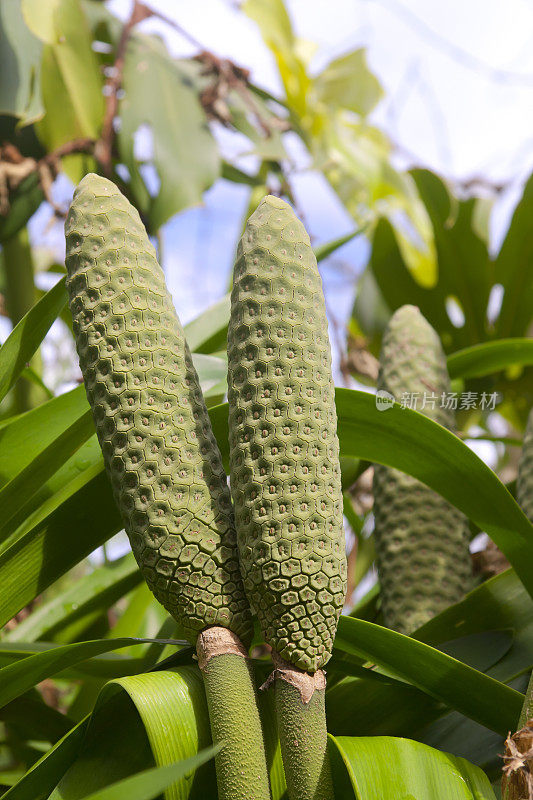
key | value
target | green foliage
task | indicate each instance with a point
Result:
(71, 83)
(178, 126)
(20, 66)
(454, 688)
(422, 774)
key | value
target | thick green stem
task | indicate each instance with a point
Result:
(241, 766)
(302, 732)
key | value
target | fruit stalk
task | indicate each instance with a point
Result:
(161, 455)
(285, 476)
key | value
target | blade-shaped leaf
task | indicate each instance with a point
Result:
(42, 776)
(500, 602)
(59, 534)
(26, 337)
(159, 96)
(459, 686)
(23, 438)
(27, 482)
(170, 722)
(213, 370)
(413, 443)
(484, 359)
(513, 270)
(97, 591)
(150, 783)
(325, 250)
(20, 57)
(207, 332)
(34, 719)
(382, 767)
(17, 678)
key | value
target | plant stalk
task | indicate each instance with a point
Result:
(301, 718)
(241, 765)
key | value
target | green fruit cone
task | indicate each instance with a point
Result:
(284, 458)
(524, 483)
(422, 541)
(159, 450)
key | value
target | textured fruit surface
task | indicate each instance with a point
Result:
(285, 473)
(421, 540)
(150, 416)
(524, 484)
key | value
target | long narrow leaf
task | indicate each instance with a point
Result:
(413, 443)
(385, 768)
(17, 678)
(26, 483)
(489, 357)
(28, 334)
(97, 591)
(159, 717)
(68, 527)
(459, 686)
(45, 773)
(150, 783)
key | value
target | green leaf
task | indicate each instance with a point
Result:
(59, 534)
(465, 273)
(463, 258)
(459, 686)
(274, 23)
(39, 17)
(26, 337)
(325, 250)
(20, 64)
(413, 443)
(42, 776)
(159, 94)
(169, 722)
(399, 769)
(17, 678)
(213, 370)
(347, 83)
(207, 333)
(148, 784)
(484, 359)
(34, 719)
(500, 602)
(364, 707)
(513, 269)
(95, 592)
(27, 482)
(71, 83)
(23, 203)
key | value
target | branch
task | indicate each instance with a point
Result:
(104, 146)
